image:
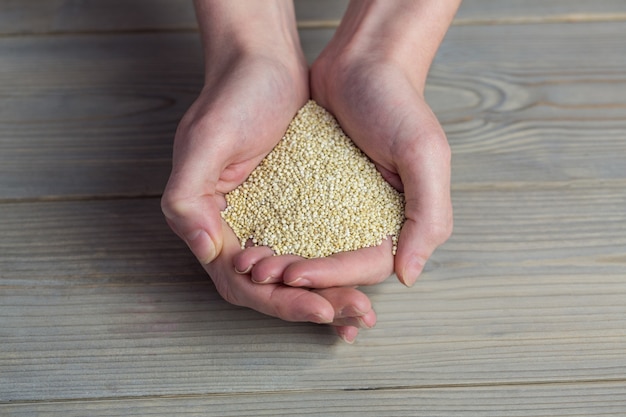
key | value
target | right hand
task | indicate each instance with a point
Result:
(240, 115)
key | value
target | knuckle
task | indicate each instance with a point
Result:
(169, 205)
(438, 147)
(437, 143)
(173, 204)
(439, 231)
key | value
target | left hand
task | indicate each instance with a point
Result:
(387, 117)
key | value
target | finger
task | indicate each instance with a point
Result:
(347, 333)
(351, 306)
(287, 303)
(249, 257)
(367, 321)
(276, 300)
(190, 203)
(197, 222)
(425, 173)
(283, 302)
(365, 266)
(270, 269)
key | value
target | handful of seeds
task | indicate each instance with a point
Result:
(315, 194)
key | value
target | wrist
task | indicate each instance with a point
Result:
(234, 29)
(404, 32)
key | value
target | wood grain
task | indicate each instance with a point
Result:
(100, 119)
(99, 299)
(18, 17)
(555, 400)
(103, 311)
(93, 115)
(93, 16)
(485, 12)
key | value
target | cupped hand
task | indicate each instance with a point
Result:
(343, 307)
(240, 115)
(382, 108)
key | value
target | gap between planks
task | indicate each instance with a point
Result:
(333, 23)
(554, 383)
(78, 198)
(455, 187)
(562, 18)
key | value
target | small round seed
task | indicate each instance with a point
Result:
(315, 194)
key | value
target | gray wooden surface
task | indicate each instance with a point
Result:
(104, 312)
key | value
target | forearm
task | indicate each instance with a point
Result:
(229, 28)
(408, 32)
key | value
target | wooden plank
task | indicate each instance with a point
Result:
(520, 313)
(314, 13)
(584, 399)
(538, 11)
(99, 299)
(531, 102)
(490, 12)
(532, 113)
(95, 115)
(63, 16)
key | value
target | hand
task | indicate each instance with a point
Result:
(383, 110)
(249, 98)
(221, 139)
(347, 309)
(384, 114)
(255, 82)
(389, 120)
(240, 115)
(371, 77)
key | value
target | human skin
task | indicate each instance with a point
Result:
(256, 79)
(371, 76)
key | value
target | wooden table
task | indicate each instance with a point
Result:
(103, 311)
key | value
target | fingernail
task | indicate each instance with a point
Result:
(201, 245)
(299, 282)
(319, 319)
(357, 322)
(412, 270)
(262, 281)
(346, 337)
(349, 311)
(364, 325)
(245, 271)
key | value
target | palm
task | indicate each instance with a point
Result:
(385, 115)
(381, 107)
(239, 117)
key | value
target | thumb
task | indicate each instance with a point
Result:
(197, 222)
(192, 208)
(428, 210)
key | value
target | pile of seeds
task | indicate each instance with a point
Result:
(315, 194)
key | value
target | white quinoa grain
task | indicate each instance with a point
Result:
(315, 194)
